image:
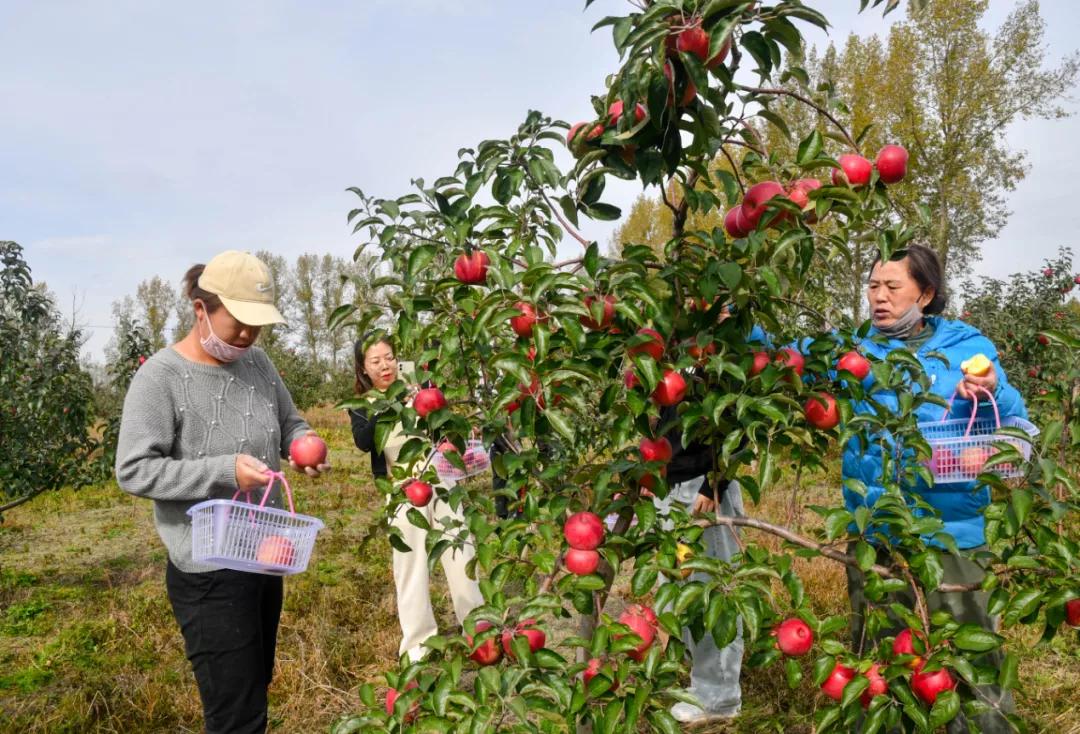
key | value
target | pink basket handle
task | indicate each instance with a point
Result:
(975, 389)
(279, 475)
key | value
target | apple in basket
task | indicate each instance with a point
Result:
(276, 550)
(942, 461)
(972, 459)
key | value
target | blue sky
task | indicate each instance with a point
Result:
(141, 137)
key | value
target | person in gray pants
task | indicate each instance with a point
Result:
(714, 673)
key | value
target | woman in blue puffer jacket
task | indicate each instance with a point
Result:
(905, 297)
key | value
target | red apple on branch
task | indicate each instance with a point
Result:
(793, 637)
(878, 685)
(1072, 612)
(584, 530)
(523, 324)
(854, 170)
(428, 400)
(392, 697)
(854, 363)
(615, 111)
(419, 493)
(761, 361)
(487, 652)
(927, 686)
(735, 222)
(655, 450)
(834, 685)
(607, 313)
(904, 644)
(581, 562)
(788, 357)
(689, 93)
(757, 198)
(526, 628)
(472, 269)
(642, 622)
(671, 389)
(654, 347)
(891, 163)
(821, 411)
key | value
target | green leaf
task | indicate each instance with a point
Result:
(603, 212)
(809, 148)
(1008, 676)
(731, 274)
(973, 638)
(945, 709)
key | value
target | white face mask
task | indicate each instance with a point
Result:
(905, 325)
(217, 348)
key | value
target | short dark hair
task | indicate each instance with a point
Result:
(364, 343)
(924, 266)
(195, 293)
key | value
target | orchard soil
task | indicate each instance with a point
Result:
(88, 642)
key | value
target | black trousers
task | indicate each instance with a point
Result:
(229, 620)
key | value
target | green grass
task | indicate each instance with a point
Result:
(88, 642)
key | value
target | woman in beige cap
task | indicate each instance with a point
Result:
(202, 419)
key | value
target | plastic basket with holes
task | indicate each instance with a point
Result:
(475, 458)
(251, 537)
(960, 447)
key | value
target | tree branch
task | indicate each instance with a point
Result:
(807, 101)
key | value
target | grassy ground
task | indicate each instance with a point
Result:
(88, 642)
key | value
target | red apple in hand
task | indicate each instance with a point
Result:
(428, 400)
(655, 450)
(821, 411)
(526, 628)
(472, 269)
(308, 451)
(581, 562)
(854, 170)
(523, 324)
(878, 685)
(487, 652)
(419, 493)
(834, 685)
(927, 686)
(654, 347)
(671, 389)
(584, 530)
(607, 314)
(854, 363)
(793, 637)
(892, 163)
(642, 621)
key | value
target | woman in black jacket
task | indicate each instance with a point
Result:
(376, 370)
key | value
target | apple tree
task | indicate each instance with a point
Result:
(46, 402)
(568, 363)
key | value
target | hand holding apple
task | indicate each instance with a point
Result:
(988, 382)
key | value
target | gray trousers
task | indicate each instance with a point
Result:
(714, 673)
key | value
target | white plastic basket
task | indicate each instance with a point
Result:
(961, 446)
(476, 461)
(244, 536)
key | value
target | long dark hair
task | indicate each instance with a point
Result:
(924, 266)
(364, 343)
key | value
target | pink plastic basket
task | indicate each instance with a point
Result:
(476, 461)
(247, 537)
(961, 446)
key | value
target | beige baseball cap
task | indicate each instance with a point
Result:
(245, 287)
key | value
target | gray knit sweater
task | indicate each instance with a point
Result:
(184, 424)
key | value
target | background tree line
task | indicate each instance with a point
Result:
(939, 85)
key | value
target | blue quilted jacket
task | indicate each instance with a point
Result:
(960, 503)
